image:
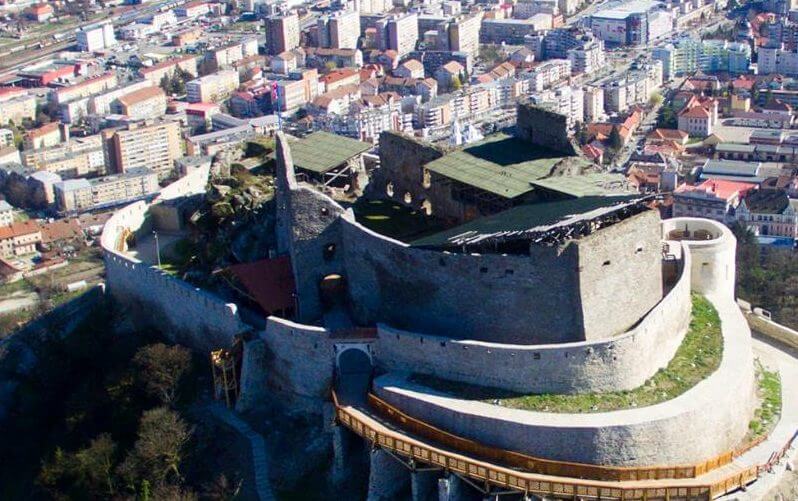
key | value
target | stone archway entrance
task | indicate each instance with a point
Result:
(353, 366)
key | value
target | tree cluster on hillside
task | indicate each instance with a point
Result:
(108, 416)
(767, 277)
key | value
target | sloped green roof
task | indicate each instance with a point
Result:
(539, 216)
(322, 151)
(596, 184)
(501, 164)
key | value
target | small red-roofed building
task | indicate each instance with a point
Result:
(678, 136)
(39, 12)
(339, 77)
(699, 116)
(19, 239)
(593, 153)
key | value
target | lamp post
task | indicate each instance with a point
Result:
(157, 248)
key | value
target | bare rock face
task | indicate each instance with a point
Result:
(223, 161)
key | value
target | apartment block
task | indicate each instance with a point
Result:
(398, 32)
(78, 157)
(282, 33)
(156, 72)
(19, 239)
(461, 34)
(16, 105)
(86, 88)
(689, 55)
(339, 30)
(145, 145)
(212, 88)
(79, 195)
(149, 102)
(546, 74)
(594, 104)
(96, 37)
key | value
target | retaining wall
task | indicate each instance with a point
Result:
(706, 421)
(618, 363)
(184, 313)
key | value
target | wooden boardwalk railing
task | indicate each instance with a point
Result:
(547, 466)
(537, 483)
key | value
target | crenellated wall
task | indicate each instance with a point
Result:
(618, 363)
(298, 361)
(187, 314)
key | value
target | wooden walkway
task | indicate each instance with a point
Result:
(727, 478)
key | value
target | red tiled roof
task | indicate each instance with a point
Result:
(720, 187)
(269, 281)
(165, 64)
(18, 229)
(338, 75)
(669, 134)
(44, 129)
(695, 112)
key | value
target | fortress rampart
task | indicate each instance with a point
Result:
(618, 363)
(188, 314)
(707, 420)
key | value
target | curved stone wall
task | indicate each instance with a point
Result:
(192, 316)
(713, 269)
(619, 363)
(544, 298)
(705, 421)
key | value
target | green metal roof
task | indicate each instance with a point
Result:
(538, 216)
(322, 151)
(501, 164)
(596, 184)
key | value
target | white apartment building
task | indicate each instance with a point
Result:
(633, 87)
(78, 195)
(96, 37)
(588, 59)
(593, 104)
(777, 60)
(547, 74)
(212, 88)
(566, 100)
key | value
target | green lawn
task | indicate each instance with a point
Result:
(394, 220)
(698, 356)
(769, 411)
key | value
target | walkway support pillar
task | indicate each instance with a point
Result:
(388, 476)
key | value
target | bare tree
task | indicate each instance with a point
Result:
(161, 369)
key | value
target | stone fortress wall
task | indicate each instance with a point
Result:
(707, 420)
(491, 297)
(298, 360)
(186, 313)
(622, 362)
(507, 298)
